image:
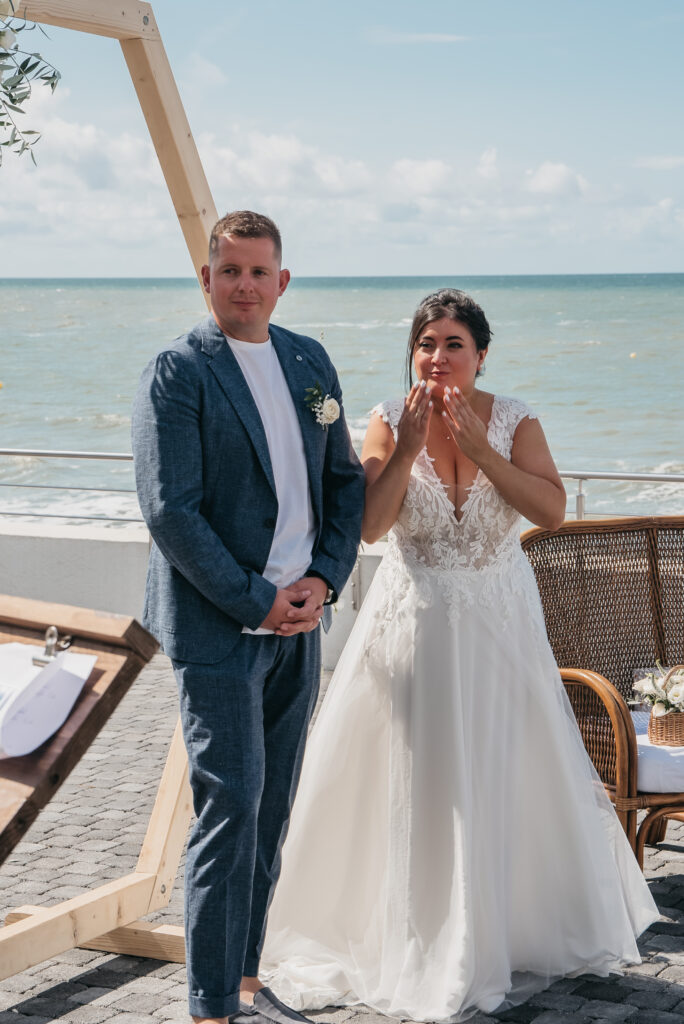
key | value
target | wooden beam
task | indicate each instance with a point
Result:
(55, 929)
(168, 126)
(119, 20)
(103, 627)
(157, 941)
(168, 826)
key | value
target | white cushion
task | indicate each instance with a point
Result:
(659, 769)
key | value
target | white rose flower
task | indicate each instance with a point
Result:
(644, 685)
(329, 411)
(8, 39)
(676, 694)
(659, 709)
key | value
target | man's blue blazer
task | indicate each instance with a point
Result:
(206, 489)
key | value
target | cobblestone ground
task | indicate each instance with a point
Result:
(92, 831)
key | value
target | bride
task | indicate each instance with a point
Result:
(451, 847)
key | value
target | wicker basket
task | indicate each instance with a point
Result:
(667, 730)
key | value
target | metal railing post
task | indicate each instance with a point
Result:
(580, 501)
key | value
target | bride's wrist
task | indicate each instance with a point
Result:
(403, 456)
(487, 460)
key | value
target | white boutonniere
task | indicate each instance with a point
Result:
(325, 409)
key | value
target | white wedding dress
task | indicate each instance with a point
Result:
(451, 848)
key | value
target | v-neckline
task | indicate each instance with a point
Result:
(471, 487)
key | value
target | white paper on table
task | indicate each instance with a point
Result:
(35, 701)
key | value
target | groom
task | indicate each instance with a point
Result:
(253, 496)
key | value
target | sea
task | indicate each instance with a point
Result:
(600, 358)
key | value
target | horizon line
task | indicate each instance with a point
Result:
(355, 277)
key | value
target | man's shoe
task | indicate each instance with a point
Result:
(248, 1014)
(267, 1004)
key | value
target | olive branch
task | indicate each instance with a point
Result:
(18, 70)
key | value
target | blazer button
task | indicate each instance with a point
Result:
(269, 523)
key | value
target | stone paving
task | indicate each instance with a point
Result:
(91, 833)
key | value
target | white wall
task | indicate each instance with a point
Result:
(91, 566)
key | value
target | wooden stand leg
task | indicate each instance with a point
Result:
(162, 847)
(107, 918)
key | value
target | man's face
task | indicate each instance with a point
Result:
(244, 280)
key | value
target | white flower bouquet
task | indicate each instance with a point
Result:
(663, 691)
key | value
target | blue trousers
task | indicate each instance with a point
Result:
(244, 724)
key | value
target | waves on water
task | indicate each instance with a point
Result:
(600, 359)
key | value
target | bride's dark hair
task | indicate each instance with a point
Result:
(456, 305)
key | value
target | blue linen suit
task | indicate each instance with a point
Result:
(206, 490)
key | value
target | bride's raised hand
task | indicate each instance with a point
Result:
(466, 427)
(413, 427)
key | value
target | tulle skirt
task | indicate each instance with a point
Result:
(451, 847)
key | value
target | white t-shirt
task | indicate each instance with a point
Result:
(295, 531)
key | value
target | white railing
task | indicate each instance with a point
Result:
(582, 476)
(50, 454)
(579, 476)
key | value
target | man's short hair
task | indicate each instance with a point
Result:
(246, 224)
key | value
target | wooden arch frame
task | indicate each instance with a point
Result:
(134, 25)
(108, 917)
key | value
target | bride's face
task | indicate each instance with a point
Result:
(446, 354)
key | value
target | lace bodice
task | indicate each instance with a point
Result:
(468, 555)
(427, 531)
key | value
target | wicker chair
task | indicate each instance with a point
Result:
(613, 598)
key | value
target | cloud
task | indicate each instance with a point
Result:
(88, 183)
(98, 201)
(279, 163)
(552, 179)
(200, 73)
(487, 167)
(660, 163)
(388, 37)
(648, 221)
(419, 177)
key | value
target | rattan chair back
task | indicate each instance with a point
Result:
(612, 593)
(613, 598)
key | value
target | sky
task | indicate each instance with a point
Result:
(439, 137)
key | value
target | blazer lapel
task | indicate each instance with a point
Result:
(299, 377)
(227, 371)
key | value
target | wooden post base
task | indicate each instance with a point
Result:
(158, 941)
